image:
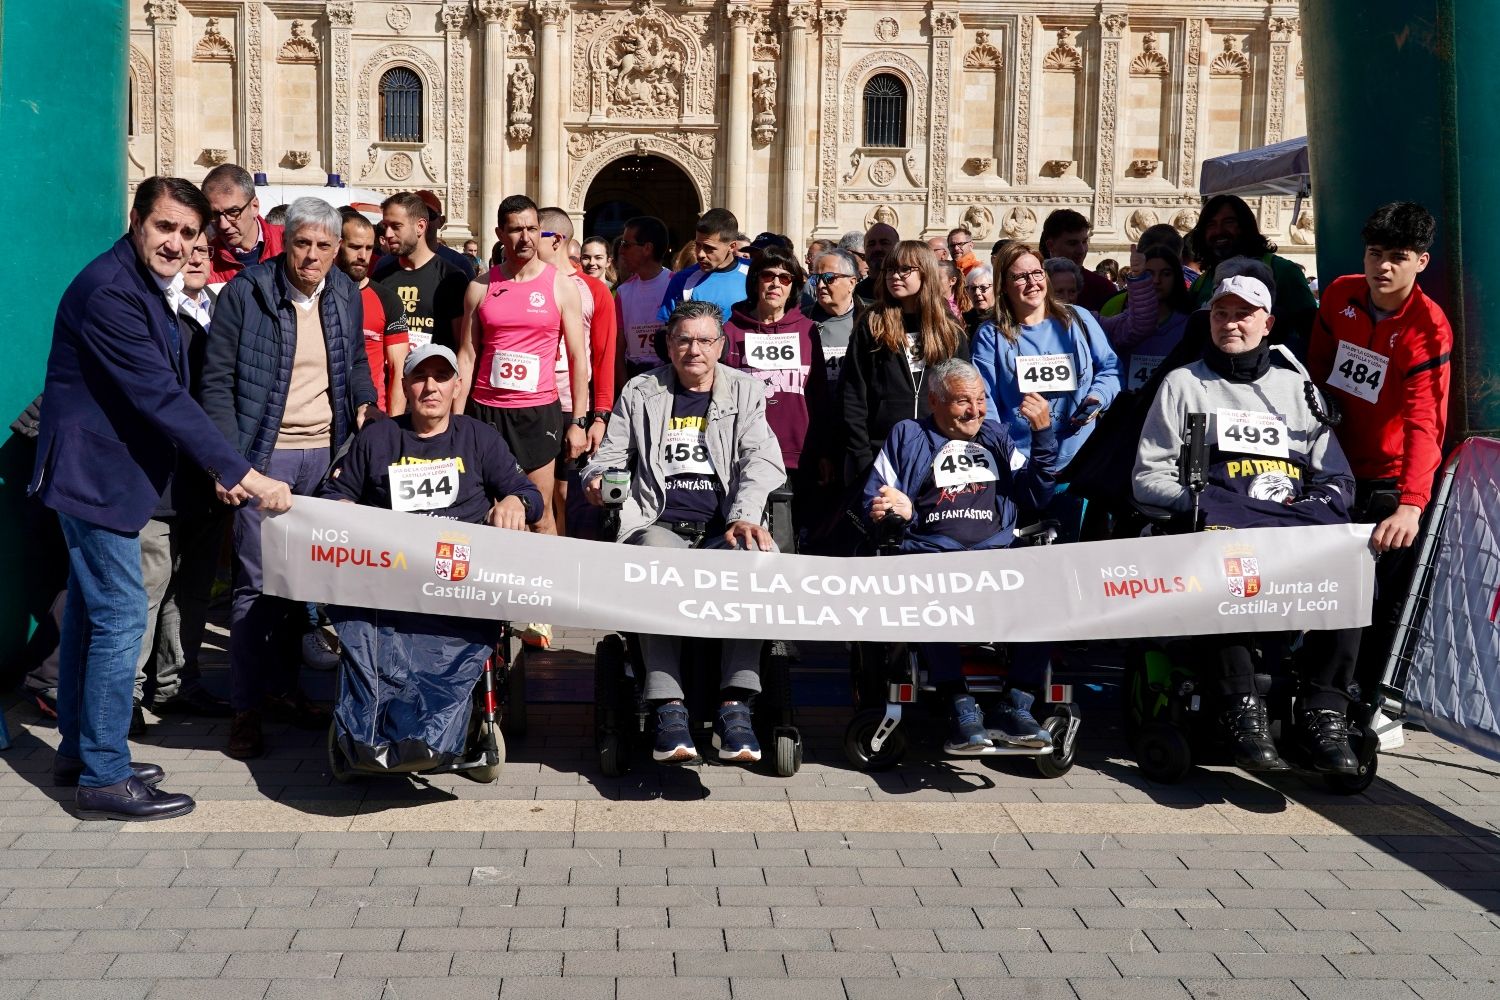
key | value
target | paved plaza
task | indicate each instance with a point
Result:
(941, 879)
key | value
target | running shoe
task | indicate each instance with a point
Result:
(734, 736)
(1011, 720)
(968, 732)
(674, 741)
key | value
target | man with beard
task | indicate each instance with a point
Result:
(430, 288)
(880, 239)
(1227, 228)
(386, 340)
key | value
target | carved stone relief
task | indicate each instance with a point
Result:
(1064, 56)
(145, 82)
(763, 97)
(213, 46)
(399, 166)
(1303, 230)
(398, 17)
(163, 17)
(455, 22)
(833, 37)
(1139, 221)
(979, 221)
(884, 215)
(1185, 220)
(767, 46)
(655, 144)
(640, 64)
(301, 47)
(1192, 56)
(1019, 223)
(340, 20)
(1150, 61)
(887, 29)
(1023, 101)
(984, 54)
(522, 93)
(882, 172)
(1230, 62)
(255, 84)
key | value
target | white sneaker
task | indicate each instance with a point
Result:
(319, 650)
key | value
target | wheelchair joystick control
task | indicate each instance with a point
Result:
(614, 487)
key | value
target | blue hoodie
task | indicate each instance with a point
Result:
(724, 288)
(1095, 362)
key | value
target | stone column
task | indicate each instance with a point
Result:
(944, 24)
(1112, 25)
(163, 17)
(832, 19)
(456, 24)
(341, 33)
(549, 15)
(737, 131)
(497, 16)
(794, 131)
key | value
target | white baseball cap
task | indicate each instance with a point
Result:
(426, 351)
(1252, 290)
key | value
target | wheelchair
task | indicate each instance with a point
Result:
(624, 720)
(1171, 714)
(889, 677)
(497, 694)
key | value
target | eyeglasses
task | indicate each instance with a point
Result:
(231, 214)
(198, 253)
(1028, 278)
(440, 377)
(703, 343)
(960, 247)
(780, 277)
(629, 243)
(552, 236)
(829, 277)
(902, 272)
(981, 289)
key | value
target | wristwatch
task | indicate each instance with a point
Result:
(582, 423)
(602, 415)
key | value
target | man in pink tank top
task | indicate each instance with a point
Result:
(515, 317)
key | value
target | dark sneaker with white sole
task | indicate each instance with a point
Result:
(674, 741)
(734, 737)
(968, 733)
(1011, 720)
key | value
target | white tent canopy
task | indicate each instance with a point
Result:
(1279, 170)
(363, 199)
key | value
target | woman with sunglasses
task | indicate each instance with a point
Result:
(909, 328)
(1037, 344)
(768, 337)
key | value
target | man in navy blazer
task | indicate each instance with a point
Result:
(115, 411)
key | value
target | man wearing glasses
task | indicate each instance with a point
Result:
(835, 273)
(702, 461)
(241, 237)
(961, 250)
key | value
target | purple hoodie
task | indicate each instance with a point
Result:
(796, 392)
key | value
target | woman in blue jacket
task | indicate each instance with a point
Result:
(1038, 344)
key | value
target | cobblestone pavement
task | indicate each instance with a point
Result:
(940, 879)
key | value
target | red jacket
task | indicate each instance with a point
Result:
(224, 265)
(1400, 435)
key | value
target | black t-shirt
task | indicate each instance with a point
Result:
(967, 513)
(486, 469)
(433, 295)
(693, 494)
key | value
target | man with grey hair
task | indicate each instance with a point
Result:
(958, 482)
(980, 281)
(241, 238)
(834, 276)
(703, 461)
(287, 381)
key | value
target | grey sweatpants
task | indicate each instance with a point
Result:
(739, 664)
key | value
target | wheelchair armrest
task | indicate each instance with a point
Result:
(781, 494)
(890, 531)
(1043, 532)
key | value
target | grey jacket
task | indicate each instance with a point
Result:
(745, 454)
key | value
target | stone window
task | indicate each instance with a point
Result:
(400, 106)
(885, 111)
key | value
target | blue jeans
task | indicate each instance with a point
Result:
(103, 623)
(262, 662)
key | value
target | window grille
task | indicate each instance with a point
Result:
(400, 106)
(885, 111)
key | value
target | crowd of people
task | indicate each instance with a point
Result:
(212, 366)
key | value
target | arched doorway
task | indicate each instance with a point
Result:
(642, 185)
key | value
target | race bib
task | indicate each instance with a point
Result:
(685, 452)
(1358, 372)
(515, 370)
(1046, 373)
(640, 344)
(773, 351)
(424, 485)
(961, 462)
(418, 338)
(1252, 432)
(1142, 367)
(833, 362)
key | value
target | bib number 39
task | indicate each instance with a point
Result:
(1358, 372)
(516, 370)
(1046, 373)
(1252, 432)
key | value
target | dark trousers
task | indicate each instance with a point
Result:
(1326, 665)
(263, 628)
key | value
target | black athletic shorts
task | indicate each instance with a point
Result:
(534, 433)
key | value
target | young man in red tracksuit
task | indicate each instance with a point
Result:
(1381, 348)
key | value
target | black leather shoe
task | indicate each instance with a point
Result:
(1324, 734)
(1249, 733)
(194, 701)
(131, 799)
(67, 770)
(137, 722)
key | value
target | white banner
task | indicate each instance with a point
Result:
(1264, 579)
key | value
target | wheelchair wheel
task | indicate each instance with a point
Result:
(857, 736)
(1352, 784)
(515, 695)
(1163, 754)
(1059, 762)
(788, 752)
(490, 738)
(611, 741)
(337, 765)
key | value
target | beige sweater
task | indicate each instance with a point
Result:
(308, 419)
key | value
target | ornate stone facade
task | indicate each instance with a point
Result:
(1012, 107)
